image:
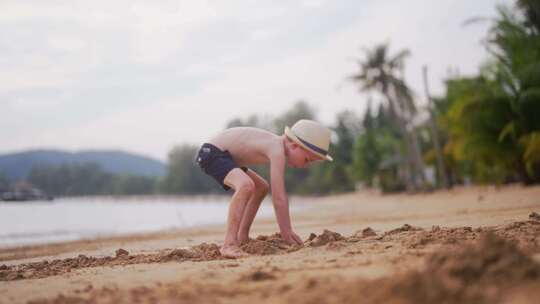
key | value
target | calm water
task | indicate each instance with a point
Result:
(73, 219)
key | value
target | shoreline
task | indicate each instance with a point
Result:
(185, 218)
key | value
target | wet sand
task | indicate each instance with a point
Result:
(467, 245)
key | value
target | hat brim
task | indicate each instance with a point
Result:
(293, 137)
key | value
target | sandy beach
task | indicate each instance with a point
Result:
(466, 245)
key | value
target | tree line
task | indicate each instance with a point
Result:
(88, 179)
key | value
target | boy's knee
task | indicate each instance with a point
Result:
(246, 187)
(263, 188)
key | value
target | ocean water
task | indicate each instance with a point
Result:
(26, 223)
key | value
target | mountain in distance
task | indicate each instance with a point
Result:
(16, 166)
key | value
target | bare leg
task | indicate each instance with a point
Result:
(261, 189)
(243, 189)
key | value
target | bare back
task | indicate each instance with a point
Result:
(249, 146)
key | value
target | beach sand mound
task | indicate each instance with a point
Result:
(404, 228)
(262, 245)
(524, 234)
(49, 268)
(471, 273)
(439, 235)
(325, 238)
(367, 232)
(45, 268)
(265, 245)
(491, 260)
(201, 252)
(274, 244)
(482, 265)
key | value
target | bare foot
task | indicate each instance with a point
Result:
(232, 252)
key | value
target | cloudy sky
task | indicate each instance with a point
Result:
(143, 76)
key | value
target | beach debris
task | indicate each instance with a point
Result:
(534, 216)
(120, 252)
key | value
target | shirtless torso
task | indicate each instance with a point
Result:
(249, 146)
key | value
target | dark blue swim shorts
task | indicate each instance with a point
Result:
(216, 163)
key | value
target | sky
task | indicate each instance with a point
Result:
(145, 76)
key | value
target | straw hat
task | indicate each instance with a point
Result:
(312, 136)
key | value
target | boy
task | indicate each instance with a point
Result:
(225, 156)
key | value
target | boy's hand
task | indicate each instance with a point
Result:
(292, 238)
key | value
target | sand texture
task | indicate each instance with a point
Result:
(468, 245)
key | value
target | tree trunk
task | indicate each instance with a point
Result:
(418, 163)
(441, 168)
(406, 160)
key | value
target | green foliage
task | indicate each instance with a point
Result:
(493, 119)
(87, 179)
(531, 11)
(184, 175)
(376, 156)
(477, 120)
(256, 121)
(300, 110)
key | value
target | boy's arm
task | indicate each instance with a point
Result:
(280, 199)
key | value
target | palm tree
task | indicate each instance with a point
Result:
(384, 73)
(441, 168)
(495, 122)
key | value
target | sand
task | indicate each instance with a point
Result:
(467, 245)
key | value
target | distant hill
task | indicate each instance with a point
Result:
(16, 166)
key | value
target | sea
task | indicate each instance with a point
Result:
(70, 219)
